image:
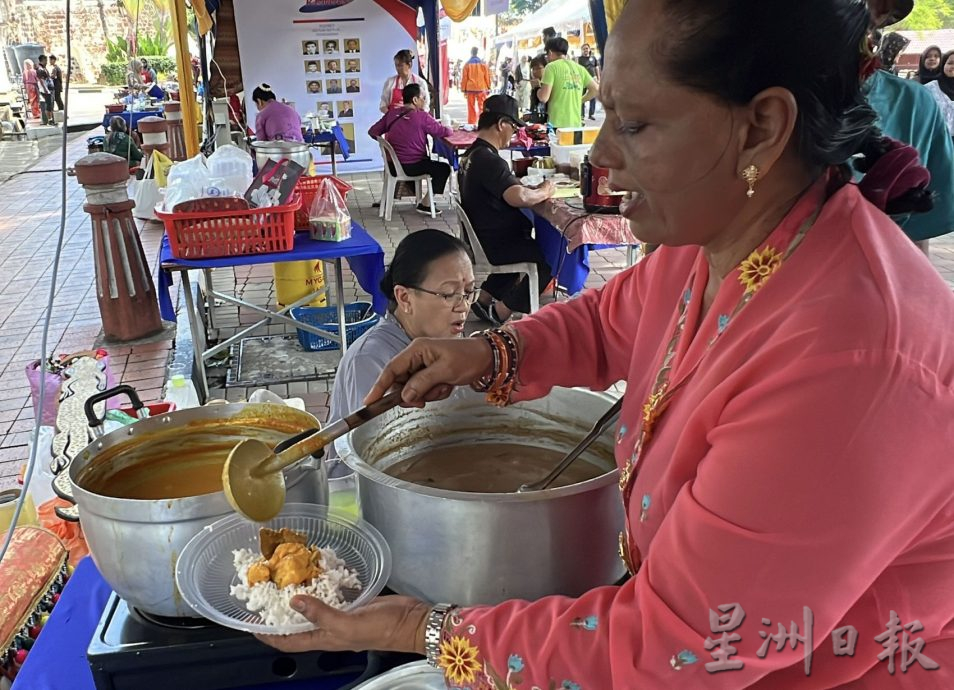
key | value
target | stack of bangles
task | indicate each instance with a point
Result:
(500, 382)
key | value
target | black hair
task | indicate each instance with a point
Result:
(404, 56)
(117, 124)
(735, 49)
(538, 61)
(263, 92)
(549, 32)
(558, 45)
(52, 58)
(42, 57)
(410, 92)
(413, 257)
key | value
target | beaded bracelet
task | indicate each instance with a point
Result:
(500, 382)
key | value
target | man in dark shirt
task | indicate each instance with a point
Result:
(492, 198)
(57, 75)
(589, 62)
(45, 86)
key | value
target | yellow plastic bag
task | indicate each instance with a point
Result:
(160, 167)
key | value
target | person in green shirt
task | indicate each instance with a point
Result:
(119, 143)
(565, 87)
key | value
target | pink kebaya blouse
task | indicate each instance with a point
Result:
(803, 470)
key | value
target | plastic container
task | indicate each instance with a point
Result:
(230, 170)
(574, 136)
(296, 279)
(205, 571)
(211, 234)
(564, 155)
(181, 392)
(359, 317)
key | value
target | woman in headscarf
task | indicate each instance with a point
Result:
(929, 66)
(30, 85)
(134, 82)
(784, 445)
(392, 95)
(119, 143)
(942, 88)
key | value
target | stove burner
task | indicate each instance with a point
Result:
(170, 622)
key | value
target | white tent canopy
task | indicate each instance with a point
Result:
(556, 13)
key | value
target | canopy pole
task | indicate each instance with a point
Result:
(184, 71)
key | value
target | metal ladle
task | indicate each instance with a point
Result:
(252, 476)
(607, 420)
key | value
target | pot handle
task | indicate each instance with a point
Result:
(94, 420)
(289, 442)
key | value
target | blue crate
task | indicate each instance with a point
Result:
(359, 316)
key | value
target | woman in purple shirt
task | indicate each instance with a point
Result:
(275, 120)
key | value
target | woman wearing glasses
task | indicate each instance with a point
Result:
(430, 286)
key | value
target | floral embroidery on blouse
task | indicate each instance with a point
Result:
(621, 435)
(687, 296)
(644, 507)
(464, 669)
(683, 658)
(589, 623)
(458, 659)
(723, 322)
(758, 268)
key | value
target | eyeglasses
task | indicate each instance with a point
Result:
(452, 299)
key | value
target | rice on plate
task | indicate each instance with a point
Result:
(273, 604)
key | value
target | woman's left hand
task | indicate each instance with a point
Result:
(387, 624)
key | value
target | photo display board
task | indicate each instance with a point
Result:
(325, 57)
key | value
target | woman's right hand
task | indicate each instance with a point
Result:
(429, 368)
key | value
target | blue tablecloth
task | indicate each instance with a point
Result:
(363, 253)
(58, 658)
(571, 270)
(132, 119)
(336, 134)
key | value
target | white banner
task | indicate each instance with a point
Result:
(323, 55)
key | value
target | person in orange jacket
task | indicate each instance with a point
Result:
(475, 82)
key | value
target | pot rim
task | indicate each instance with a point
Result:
(362, 468)
(191, 506)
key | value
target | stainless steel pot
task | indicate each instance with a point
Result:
(136, 543)
(276, 150)
(474, 548)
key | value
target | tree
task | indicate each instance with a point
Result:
(928, 15)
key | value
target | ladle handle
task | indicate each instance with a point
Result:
(608, 418)
(315, 442)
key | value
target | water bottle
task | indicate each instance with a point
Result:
(182, 392)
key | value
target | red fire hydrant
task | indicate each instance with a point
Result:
(127, 296)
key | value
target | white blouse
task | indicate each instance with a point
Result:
(391, 83)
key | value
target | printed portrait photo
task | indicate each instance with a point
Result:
(352, 45)
(345, 109)
(331, 47)
(325, 111)
(352, 65)
(313, 67)
(332, 67)
(309, 47)
(333, 86)
(354, 86)
(313, 86)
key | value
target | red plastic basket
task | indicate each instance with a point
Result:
(307, 187)
(211, 234)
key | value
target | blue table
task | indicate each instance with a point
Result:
(363, 253)
(58, 658)
(450, 151)
(132, 118)
(333, 138)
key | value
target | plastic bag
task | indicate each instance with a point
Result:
(328, 216)
(146, 194)
(70, 533)
(230, 171)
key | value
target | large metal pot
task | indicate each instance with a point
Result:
(276, 150)
(479, 548)
(135, 543)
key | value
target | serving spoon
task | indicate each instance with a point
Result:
(252, 476)
(608, 419)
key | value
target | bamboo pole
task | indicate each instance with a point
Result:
(184, 70)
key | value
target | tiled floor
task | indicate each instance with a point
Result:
(29, 216)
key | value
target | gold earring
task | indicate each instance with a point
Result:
(751, 176)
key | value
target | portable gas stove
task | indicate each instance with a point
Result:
(132, 650)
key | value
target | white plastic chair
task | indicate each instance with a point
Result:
(390, 181)
(482, 265)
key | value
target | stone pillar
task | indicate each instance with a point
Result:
(155, 135)
(127, 297)
(177, 147)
